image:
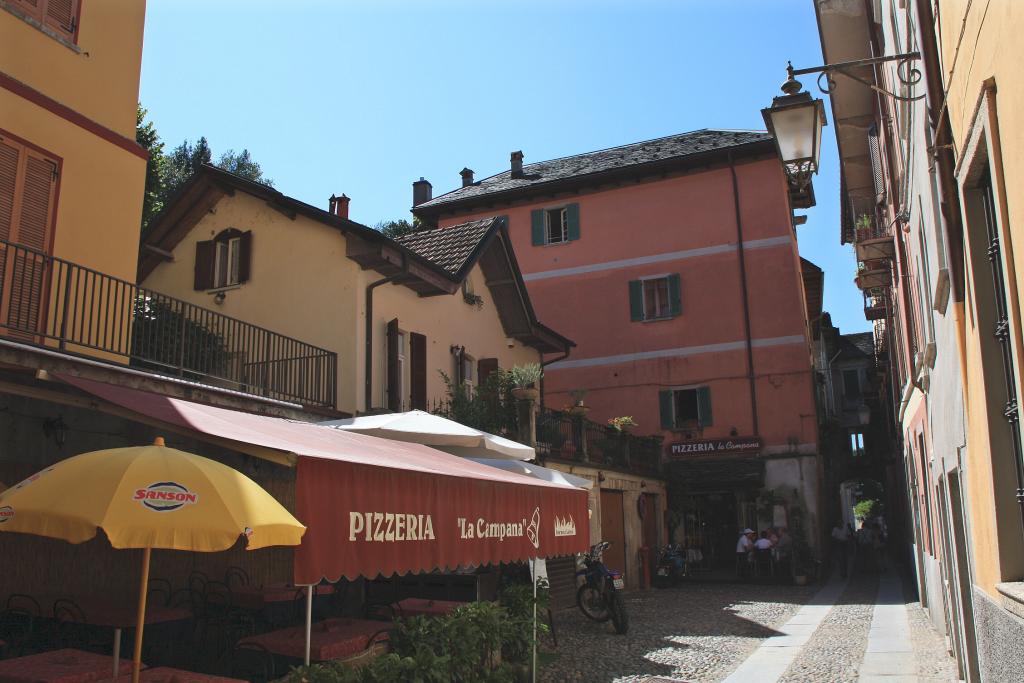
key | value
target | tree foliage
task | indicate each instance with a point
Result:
(167, 172)
(398, 228)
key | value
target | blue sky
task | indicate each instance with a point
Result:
(365, 97)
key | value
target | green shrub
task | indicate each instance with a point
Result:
(480, 642)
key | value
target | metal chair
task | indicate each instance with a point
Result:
(236, 575)
(252, 662)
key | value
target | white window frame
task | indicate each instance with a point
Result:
(468, 372)
(563, 215)
(857, 449)
(232, 250)
(643, 297)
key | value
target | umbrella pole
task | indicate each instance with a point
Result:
(309, 619)
(141, 619)
(534, 572)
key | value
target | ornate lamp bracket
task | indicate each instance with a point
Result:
(907, 73)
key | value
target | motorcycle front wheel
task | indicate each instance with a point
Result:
(617, 611)
(591, 602)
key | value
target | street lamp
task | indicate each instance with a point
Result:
(795, 120)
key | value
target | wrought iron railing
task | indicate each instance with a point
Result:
(48, 301)
(564, 436)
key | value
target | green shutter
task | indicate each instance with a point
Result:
(704, 406)
(572, 216)
(537, 226)
(636, 300)
(674, 296)
(665, 401)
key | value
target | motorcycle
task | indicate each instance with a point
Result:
(671, 567)
(600, 595)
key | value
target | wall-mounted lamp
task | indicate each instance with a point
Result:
(600, 477)
(219, 297)
(643, 484)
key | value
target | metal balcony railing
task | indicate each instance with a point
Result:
(48, 301)
(572, 437)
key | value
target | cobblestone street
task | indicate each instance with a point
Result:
(858, 632)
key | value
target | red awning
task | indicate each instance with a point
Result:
(374, 506)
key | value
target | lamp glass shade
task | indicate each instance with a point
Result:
(796, 123)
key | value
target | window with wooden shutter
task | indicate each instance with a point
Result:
(224, 261)
(636, 300)
(485, 366)
(665, 408)
(60, 16)
(28, 188)
(686, 408)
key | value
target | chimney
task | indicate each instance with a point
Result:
(467, 176)
(422, 191)
(338, 206)
(517, 164)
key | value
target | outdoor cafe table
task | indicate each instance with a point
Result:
(164, 674)
(60, 666)
(331, 639)
(413, 607)
(255, 598)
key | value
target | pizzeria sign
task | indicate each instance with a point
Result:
(738, 445)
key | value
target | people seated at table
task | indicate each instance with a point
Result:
(744, 548)
(763, 543)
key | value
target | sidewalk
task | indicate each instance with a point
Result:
(850, 632)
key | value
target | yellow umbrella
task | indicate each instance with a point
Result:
(148, 497)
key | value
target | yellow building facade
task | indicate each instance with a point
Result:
(71, 173)
(980, 54)
(310, 274)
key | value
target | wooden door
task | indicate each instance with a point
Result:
(652, 518)
(613, 528)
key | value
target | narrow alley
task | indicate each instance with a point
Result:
(864, 630)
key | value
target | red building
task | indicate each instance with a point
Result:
(673, 263)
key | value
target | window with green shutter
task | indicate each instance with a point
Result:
(555, 226)
(685, 408)
(655, 298)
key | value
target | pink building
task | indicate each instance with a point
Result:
(673, 263)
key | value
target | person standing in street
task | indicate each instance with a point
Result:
(840, 544)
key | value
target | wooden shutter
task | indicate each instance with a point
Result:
(636, 300)
(665, 406)
(537, 227)
(418, 370)
(61, 16)
(572, 217)
(29, 278)
(675, 294)
(9, 155)
(484, 367)
(394, 381)
(459, 379)
(206, 255)
(704, 406)
(245, 257)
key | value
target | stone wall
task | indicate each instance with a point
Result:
(1000, 635)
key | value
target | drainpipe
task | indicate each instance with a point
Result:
(544, 364)
(746, 302)
(369, 337)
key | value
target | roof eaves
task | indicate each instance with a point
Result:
(435, 206)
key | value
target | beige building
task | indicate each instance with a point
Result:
(450, 302)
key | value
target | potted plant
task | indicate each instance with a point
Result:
(622, 424)
(524, 379)
(578, 407)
